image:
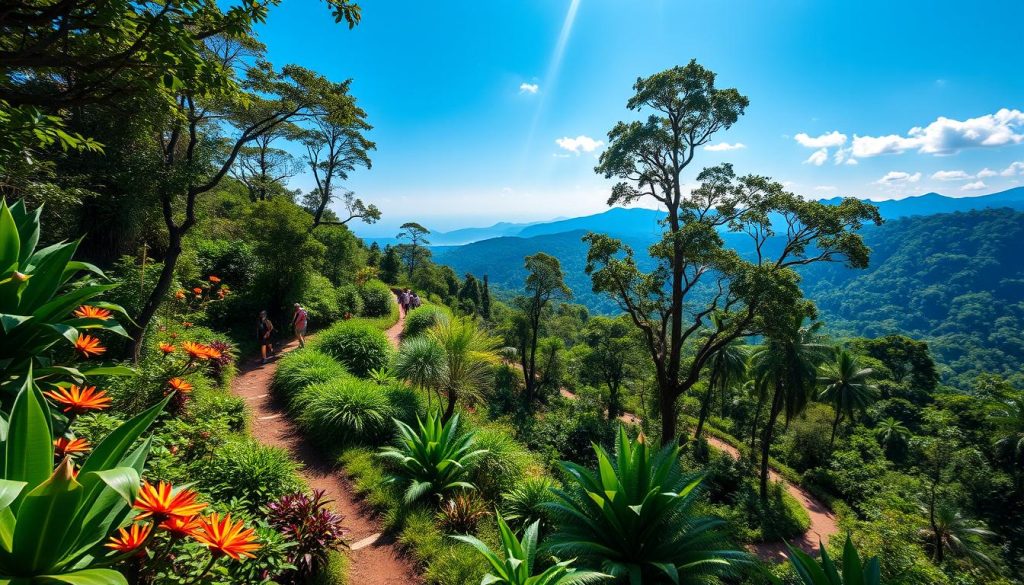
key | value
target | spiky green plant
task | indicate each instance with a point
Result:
(853, 571)
(517, 565)
(635, 518)
(524, 503)
(433, 459)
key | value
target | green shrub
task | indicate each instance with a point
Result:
(406, 403)
(218, 404)
(344, 411)
(319, 298)
(377, 299)
(525, 503)
(432, 459)
(301, 368)
(361, 347)
(419, 320)
(504, 464)
(334, 572)
(447, 562)
(349, 300)
(250, 471)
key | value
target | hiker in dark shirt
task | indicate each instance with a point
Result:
(263, 331)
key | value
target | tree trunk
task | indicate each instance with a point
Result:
(613, 401)
(766, 442)
(667, 406)
(753, 426)
(449, 410)
(835, 425)
(163, 285)
(705, 406)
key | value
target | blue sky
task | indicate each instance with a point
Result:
(479, 117)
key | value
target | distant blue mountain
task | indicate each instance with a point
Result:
(932, 203)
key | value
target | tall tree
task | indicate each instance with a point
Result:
(57, 56)
(390, 265)
(335, 147)
(726, 367)
(696, 275)
(545, 283)
(193, 156)
(263, 168)
(470, 293)
(414, 253)
(485, 299)
(612, 357)
(785, 368)
(847, 388)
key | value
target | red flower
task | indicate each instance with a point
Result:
(182, 526)
(197, 290)
(227, 538)
(90, 312)
(214, 279)
(79, 400)
(87, 345)
(162, 502)
(63, 447)
(166, 348)
(131, 539)
(180, 385)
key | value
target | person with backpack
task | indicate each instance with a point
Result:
(299, 319)
(263, 331)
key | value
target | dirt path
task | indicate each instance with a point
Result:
(395, 332)
(823, 521)
(374, 559)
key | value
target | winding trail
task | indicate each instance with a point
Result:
(823, 520)
(374, 559)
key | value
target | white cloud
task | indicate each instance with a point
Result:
(721, 146)
(818, 157)
(829, 140)
(528, 87)
(852, 161)
(985, 173)
(951, 176)
(579, 144)
(1016, 168)
(974, 186)
(826, 188)
(948, 136)
(898, 178)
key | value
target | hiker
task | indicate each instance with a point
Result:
(403, 300)
(414, 301)
(263, 331)
(299, 319)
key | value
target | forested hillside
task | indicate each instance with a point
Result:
(956, 280)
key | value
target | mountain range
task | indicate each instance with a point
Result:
(937, 262)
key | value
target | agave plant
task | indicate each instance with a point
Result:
(634, 518)
(517, 565)
(524, 503)
(853, 571)
(53, 521)
(434, 459)
(44, 302)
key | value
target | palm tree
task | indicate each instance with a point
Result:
(892, 433)
(470, 354)
(726, 367)
(637, 518)
(846, 388)
(787, 367)
(1010, 419)
(949, 531)
(421, 361)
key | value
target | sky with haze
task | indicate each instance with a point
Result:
(496, 110)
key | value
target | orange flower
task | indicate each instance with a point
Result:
(186, 324)
(182, 526)
(79, 400)
(212, 353)
(90, 312)
(214, 279)
(166, 348)
(227, 538)
(131, 539)
(180, 385)
(180, 295)
(87, 345)
(196, 351)
(197, 290)
(64, 446)
(162, 502)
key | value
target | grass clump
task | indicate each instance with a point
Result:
(358, 345)
(344, 411)
(247, 470)
(301, 368)
(420, 319)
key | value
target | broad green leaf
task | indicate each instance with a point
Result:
(87, 577)
(44, 522)
(111, 450)
(28, 450)
(10, 241)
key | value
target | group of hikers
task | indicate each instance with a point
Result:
(408, 299)
(265, 329)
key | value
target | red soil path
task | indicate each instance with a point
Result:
(373, 559)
